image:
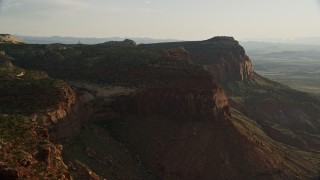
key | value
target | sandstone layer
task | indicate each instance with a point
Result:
(7, 38)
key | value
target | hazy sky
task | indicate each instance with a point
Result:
(179, 19)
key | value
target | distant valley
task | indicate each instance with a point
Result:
(296, 65)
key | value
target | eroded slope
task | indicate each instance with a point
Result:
(25, 149)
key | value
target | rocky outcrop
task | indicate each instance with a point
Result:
(81, 171)
(32, 149)
(26, 152)
(64, 123)
(7, 69)
(6, 64)
(7, 38)
(124, 43)
(183, 105)
(222, 41)
(176, 54)
(231, 67)
(223, 57)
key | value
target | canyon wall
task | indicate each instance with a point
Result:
(64, 122)
(231, 67)
(182, 105)
(223, 57)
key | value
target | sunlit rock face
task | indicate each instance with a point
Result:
(7, 38)
(223, 57)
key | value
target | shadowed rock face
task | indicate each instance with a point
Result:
(124, 43)
(8, 173)
(178, 54)
(181, 105)
(222, 56)
(196, 150)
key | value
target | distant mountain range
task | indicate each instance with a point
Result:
(92, 40)
(140, 40)
(302, 40)
(259, 46)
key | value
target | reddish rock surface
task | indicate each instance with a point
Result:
(180, 104)
(7, 38)
(177, 54)
(223, 57)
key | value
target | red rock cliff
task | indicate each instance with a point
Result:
(182, 105)
(64, 122)
(223, 57)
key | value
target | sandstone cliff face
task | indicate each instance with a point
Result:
(182, 105)
(177, 54)
(7, 38)
(64, 123)
(223, 57)
(231, 69)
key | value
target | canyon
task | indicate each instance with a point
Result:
(179, 110)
